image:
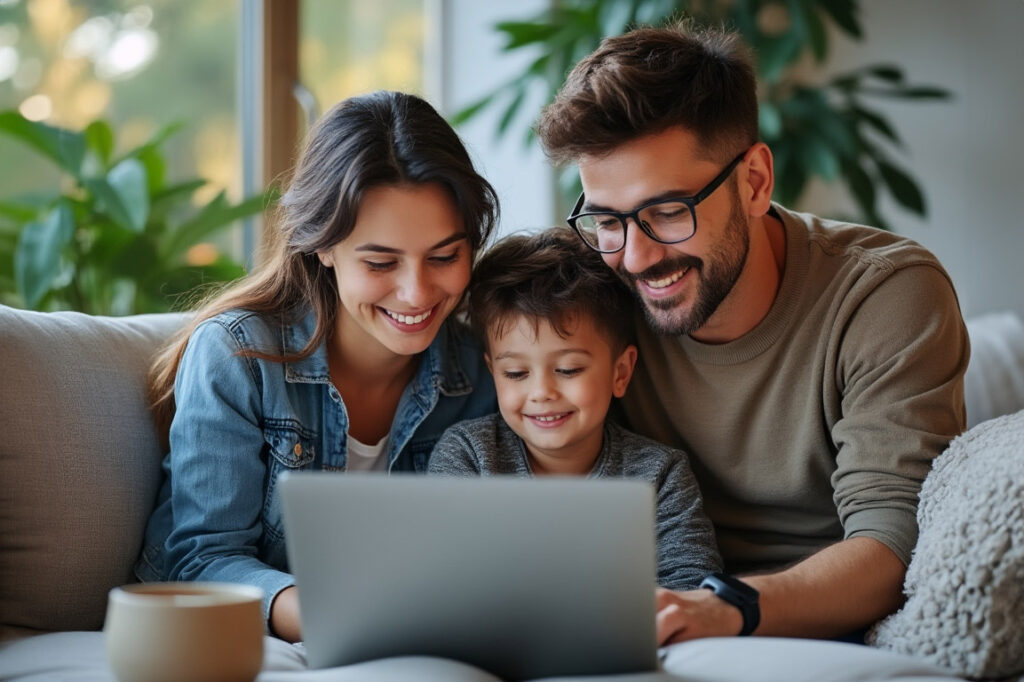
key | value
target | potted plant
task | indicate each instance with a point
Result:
(826, 128)
(116, 237)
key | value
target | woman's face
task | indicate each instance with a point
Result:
(401, 271)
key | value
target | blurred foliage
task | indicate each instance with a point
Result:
(116, 237)
(829, 130)
(62, 47)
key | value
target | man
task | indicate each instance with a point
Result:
(811, 369)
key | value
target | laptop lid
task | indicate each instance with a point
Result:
(521, 577)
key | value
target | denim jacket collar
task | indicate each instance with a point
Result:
(439, 365)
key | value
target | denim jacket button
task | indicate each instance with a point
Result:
(297, 449)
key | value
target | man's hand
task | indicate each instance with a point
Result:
(693, 614)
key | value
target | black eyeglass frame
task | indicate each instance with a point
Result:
(690, 201)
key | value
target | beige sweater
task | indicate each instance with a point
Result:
(821, 422)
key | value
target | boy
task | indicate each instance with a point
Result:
(556, 324)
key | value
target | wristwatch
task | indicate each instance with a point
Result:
(739, 594)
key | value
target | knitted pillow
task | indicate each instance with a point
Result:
(965, 582)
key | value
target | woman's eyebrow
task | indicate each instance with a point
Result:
(378, 248)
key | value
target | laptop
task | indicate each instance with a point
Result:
(521, 577)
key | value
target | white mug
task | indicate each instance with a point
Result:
(174, 631)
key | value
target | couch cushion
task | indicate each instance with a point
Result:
(79, 656)
(79, 461)
(965, 582)
(994, 383)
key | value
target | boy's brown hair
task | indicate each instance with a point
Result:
(651, 79)
(553, 277)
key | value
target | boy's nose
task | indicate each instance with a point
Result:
(542, 389)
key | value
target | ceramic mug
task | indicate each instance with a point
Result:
(174, 631)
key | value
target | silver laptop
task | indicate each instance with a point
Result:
(521, 577)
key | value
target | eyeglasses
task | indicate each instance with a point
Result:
(667, 221)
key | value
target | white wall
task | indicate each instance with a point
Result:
(966, 153)
(472, 65)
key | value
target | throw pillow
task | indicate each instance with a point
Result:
(965, 582)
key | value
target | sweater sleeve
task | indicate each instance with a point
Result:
(686, 540)
(454, 455)
(900, 372)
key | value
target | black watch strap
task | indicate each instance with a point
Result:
(739, 594)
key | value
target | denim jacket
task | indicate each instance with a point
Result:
(241, 421)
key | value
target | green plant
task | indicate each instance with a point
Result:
(116, 237)
(827, 129)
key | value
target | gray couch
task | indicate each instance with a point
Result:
(79, 470)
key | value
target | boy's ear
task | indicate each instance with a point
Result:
(623, 370)
(487, 359)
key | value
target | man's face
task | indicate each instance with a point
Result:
(681, 286)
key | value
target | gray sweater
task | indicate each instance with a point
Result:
(686, 541)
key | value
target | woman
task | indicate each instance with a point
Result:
(336, 355)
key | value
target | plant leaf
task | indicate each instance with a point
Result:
(108, 202)
(18, 212)
(769, 121)
(843, 12)
(153, 161)
(817, 35)
(162, 202)
(99, 137)
(818, 157)
(215, 215)
(520, 33)
(835, 130)
(903, 187)
(64, 147)
(37, 255)
(877, 122)
(886, 72)
(912, 92)
(128, 179)
(470, 110)
(511, 110)
(862, 188)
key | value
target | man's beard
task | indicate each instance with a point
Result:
(715, 279)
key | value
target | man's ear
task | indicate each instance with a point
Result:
(757, 183)
(623, 370)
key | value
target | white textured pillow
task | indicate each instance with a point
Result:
(965, 582)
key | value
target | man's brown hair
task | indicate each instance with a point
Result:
(553, 277)
(651, 79)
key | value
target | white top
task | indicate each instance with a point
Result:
(363, 457)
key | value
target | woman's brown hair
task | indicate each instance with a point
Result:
(382, 138)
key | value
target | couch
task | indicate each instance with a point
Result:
(80, 463)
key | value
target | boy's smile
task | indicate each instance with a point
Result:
(554, 392)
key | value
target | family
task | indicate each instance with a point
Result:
(782, 381)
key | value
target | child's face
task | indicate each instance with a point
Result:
(554, 392)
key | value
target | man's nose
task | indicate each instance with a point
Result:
(640, 251)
